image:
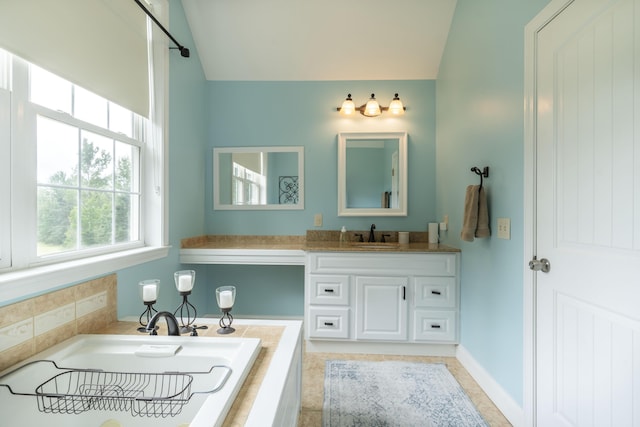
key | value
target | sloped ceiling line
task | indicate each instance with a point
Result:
(288, 40)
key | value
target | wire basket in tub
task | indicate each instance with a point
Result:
(74, 391)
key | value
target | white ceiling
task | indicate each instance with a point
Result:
(302, 40)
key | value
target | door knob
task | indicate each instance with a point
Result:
(540, 265)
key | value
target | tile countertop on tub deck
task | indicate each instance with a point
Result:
(271, 333)
(290, 250)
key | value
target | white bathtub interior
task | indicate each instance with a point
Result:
(206, 358)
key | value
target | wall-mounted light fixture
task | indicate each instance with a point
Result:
(371, 108)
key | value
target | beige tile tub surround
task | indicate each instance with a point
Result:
(270, 336)
(33, 325)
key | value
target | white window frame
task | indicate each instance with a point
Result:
(19, 276)
(5, 177)
(248, 186)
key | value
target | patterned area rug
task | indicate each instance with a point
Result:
(390, 393)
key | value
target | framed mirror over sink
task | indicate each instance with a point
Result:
(372, 173)
(258, 178)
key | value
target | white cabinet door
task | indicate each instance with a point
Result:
(381, 308)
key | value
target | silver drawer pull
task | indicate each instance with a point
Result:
(328, 323)
(435, 326)
(436, 292)
(329, 290)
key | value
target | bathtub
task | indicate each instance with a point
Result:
(194, 381)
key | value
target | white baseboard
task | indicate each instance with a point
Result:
(369, 347)
(511, 410)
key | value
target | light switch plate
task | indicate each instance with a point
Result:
(504, 228)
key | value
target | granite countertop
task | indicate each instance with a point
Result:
(316, 241)
(393, 247)
(234, 241)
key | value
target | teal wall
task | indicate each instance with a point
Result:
(243, 114)
(480, 123)
(304, 114)
(204, 114)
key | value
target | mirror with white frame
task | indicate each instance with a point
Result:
(255, 178)
(372, 174)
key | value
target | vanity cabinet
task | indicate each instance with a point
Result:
(382, 296)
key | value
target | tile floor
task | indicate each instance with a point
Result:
(313, 382)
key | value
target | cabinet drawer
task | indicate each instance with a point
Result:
(434, 325)
(435, 292)
(328, 322)
(329, 289)
(384, 264)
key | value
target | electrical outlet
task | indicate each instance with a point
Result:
(317, 220)
(504, 228)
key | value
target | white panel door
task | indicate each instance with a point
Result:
(588, 216)
(381, 308)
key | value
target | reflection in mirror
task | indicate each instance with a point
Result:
(258, 178)
(372, 174)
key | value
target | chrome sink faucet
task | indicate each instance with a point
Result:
(172, 323)
(372, 237)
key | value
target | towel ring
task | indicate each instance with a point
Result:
(482, 173)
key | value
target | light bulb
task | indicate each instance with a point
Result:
(396, 108)
(348, 107)
(372, 108)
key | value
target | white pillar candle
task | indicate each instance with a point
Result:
(149, 293)
(226, 299)
(184, 283)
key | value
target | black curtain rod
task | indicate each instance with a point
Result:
(183, 50)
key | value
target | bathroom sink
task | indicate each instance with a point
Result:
(375, 245)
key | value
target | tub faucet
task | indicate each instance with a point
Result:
(372, 237)
(172, 323)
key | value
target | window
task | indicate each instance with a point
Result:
(5, 155)
(249, 187)
(88, 194)
(87, 176)
(81, 178)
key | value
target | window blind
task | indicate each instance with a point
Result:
(100, 45)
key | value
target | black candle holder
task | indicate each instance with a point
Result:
(185, 280)
(225, 297)
(149, 290)
(225, 322)
(188, 311)
(146, 316)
